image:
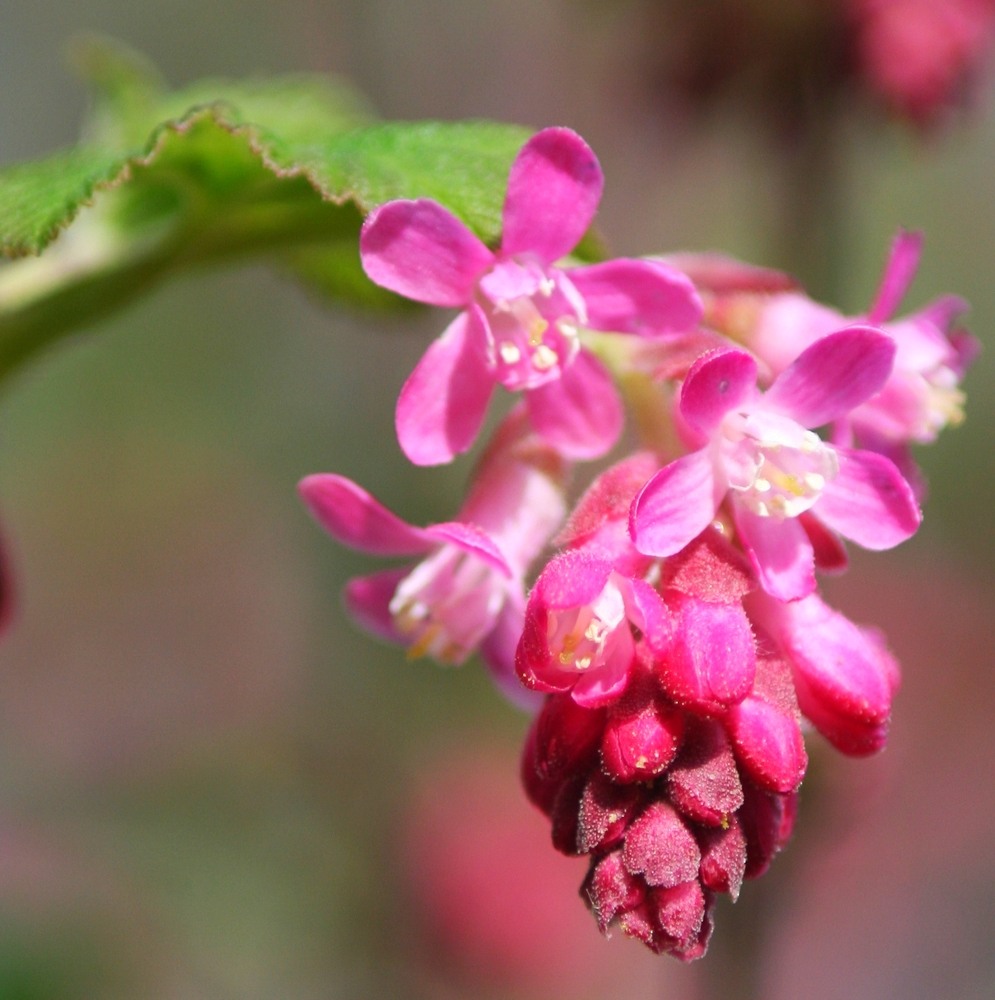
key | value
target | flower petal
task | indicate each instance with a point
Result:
(833, 376)
(498, 653)
(553, 192)
(367, 599)
(898, 274)
(470, 538)
(422, 251)
(718, 382)
(675, 506)
(869, 501)
(443, 402)
(579, 413)
(780, 552)
(637, 296)
(351, 516)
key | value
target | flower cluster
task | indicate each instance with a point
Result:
(675, 643)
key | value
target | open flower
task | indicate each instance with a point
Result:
(759, 451)
(467, 592)
(522, 317)
(922, 394)
(579, 627)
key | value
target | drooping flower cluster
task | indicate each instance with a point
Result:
(676, 637)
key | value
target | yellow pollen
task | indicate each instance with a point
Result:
(423, 643)
(537, 329)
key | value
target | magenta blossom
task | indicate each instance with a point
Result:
(922, 394)
(523, 318)
(579, 623)
(759, 451)
(467, 593)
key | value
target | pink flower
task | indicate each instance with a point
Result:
(578, 633)
(922, 394)
(468, 592)
(758, 450)
(522, 318)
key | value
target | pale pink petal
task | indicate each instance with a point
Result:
(898, 274)
(579, 413)
(351, 516)
(604, 685)
(367, 599)
(718, 382)
(553, 193)
(637, 296)
(649, 614)
(443, 402)
(422, 251)
(498, 653)
(833, 376)
(470, 538)
(780, 552)
(869, 501)
(675, 506)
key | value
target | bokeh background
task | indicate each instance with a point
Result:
(213, 786)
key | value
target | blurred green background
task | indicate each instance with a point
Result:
(213, 786)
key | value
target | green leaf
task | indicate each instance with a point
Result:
(282, 168)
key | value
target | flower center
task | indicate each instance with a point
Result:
(447, 604)
(776, 467)
(582, 638)
(534, 318)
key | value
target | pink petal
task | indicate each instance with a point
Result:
(422, 251)
(898, 274)
(649, 614)
(637, 296)
(443, 402)
(498, 653)
(470, 538)
(367, 599)
(571, 579)
(718, 382)
(675, 506)
(833, 376)
(604, 685)
(869, 501)
(780, 552)
(553, 193)
(579, 413)
(351, 516)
